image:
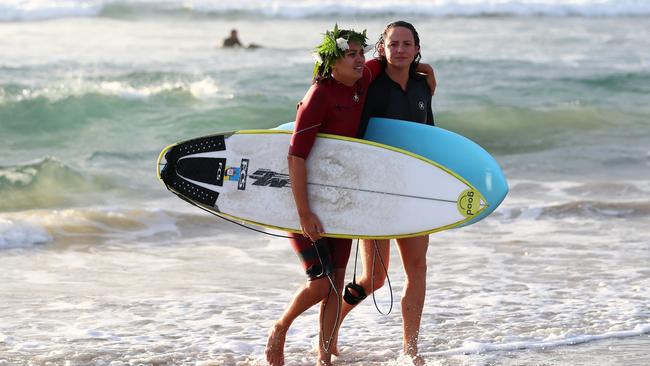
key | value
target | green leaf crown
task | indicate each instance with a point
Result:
(329, 51)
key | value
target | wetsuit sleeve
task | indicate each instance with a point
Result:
(309, 118)
(372, 69)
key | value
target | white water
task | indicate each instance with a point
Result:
(162, 288)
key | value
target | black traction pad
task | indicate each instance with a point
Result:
(195, 169)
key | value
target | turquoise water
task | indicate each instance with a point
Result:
(90, 95)
(101, 96)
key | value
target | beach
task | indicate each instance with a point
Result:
(101, 265)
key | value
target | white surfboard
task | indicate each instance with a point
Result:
(358, 188)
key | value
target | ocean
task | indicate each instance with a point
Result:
(101, 265)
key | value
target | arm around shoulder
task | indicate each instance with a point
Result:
(374, 67)
(427, 70)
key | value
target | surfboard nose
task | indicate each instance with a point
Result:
(490, 181)
(498, 187)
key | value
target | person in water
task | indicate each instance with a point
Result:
(233, 41)
(399, 92)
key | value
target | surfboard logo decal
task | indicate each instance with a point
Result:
(232, 174)
(220, 172)
(243, 174)
(469, 203)
(266, 177)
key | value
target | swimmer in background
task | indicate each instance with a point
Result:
(233, 41)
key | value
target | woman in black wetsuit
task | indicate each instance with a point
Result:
(399, 93)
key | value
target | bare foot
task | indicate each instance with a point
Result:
(411, 351)
(334, 348)
(275, 345)
(412, 356)
(335, 351)
(325, 355)
(323, 363)
(418, 360)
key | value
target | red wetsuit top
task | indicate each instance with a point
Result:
(329, 107)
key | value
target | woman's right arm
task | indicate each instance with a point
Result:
(310, 115)
(309, 222)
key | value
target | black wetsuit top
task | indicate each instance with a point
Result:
(387, 99)
(231, 42)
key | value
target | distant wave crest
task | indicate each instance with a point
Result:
(25, 10)
(125, 89)
(599, 200)
(47, 182)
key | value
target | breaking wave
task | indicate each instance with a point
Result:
(33, 10)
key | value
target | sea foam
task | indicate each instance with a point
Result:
(553, 341)
(21, 234)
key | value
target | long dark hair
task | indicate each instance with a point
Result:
(416, 38)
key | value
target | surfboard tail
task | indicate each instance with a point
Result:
(177, 169)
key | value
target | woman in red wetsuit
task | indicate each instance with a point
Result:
(333, 104)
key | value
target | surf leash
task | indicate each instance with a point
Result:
(353, 299)
(327, 270)
(227, 219)
(372, 283)
(326, 344)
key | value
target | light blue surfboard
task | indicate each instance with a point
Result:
(451, 150)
